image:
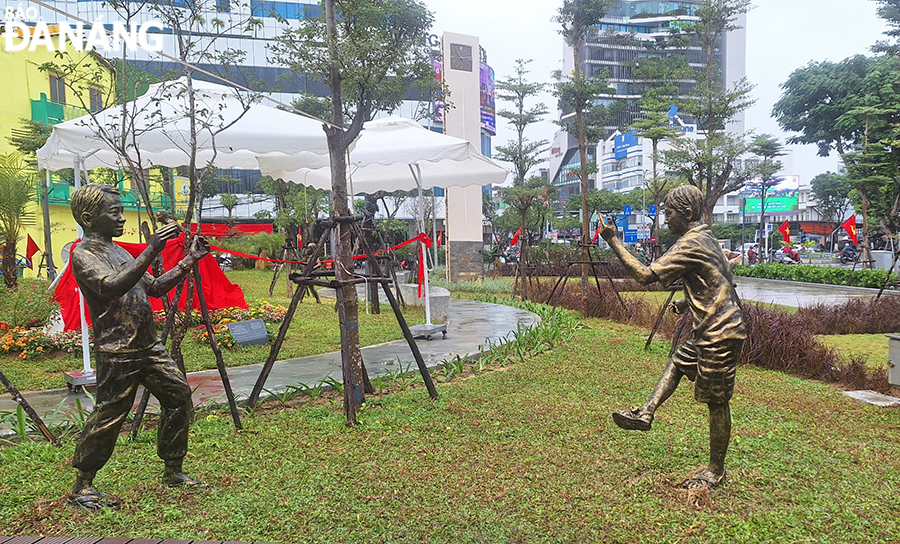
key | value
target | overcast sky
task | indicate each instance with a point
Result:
(782, 35)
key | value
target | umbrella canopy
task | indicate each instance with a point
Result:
(388, 155)
(229, 134)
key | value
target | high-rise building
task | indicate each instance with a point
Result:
(631, 31)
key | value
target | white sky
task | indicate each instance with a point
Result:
(782, 35)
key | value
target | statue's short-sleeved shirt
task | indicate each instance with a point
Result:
(699, 262)
(122, 324)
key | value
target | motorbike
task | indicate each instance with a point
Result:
(847, 255)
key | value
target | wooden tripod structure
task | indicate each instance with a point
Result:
(594, 264)
(319, 278)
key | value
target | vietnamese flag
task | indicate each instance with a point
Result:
(30, 250)
(440, 238)
(785, 230)
(515, 238)
(850, 226)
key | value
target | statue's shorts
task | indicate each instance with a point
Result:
(712, 366)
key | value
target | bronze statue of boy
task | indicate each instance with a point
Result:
(116, 286)
(709, 358)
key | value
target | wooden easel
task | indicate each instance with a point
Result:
(318, 278)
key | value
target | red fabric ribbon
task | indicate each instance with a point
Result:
(218, 291)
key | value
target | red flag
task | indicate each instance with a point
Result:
(515, 238)
(596, 234)
(299, 237)
(440, 238)
(785, 230)
(850, 226)
(30, 250)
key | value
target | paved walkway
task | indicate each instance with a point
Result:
(470, 326)
(800, 295)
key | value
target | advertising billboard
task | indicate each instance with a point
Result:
(438, 103)
(488, 108)
(782, 198)
(488, 114)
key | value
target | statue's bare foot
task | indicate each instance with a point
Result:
(180, 479)
(633, 419)
(91, 499)
(706, 479)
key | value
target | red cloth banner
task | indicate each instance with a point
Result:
(220, 230)
(30, 250)
(515, 238)
(785, 230)
(219, 292)
(850, 226)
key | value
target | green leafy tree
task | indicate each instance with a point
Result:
(831, 192)
(17, 184)
(814, 100)
(368, 53)
(577, 19)
(522, 153)
(230, 202)
(532, 197)
(708, 162)
(767, 148)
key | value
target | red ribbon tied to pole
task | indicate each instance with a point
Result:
(424, 239)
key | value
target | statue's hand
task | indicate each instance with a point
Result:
(607, 231)
(165, 233)
(199, 248)
(678, 307)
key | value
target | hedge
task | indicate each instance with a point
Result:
(830, 275)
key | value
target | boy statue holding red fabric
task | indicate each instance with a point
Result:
(116, 287)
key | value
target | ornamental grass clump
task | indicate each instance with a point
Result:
(856, 316)
(776, 340)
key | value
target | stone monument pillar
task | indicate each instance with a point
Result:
(461, 73)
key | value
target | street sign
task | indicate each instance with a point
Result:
(626, 211)
(651, 210)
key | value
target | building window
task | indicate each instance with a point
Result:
(57, 89)
(96, 99)
(223, 6)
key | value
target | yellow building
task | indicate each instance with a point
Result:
(31, 91)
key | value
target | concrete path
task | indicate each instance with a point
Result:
(800, 295)
(470, 325)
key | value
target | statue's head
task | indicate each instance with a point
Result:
(687, 201)
(98, 208)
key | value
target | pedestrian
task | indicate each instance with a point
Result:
(710, 357)
(116, 287)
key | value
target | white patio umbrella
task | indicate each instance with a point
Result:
(229, 134)
(396, 154)
(161, 127)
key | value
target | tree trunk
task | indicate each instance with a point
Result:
(372, 239)
(354, 383)
(582, 154)
(9, 265)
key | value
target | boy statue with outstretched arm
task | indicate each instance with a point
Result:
(116, 286)
(709, 358)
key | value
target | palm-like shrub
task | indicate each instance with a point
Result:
(17, 182)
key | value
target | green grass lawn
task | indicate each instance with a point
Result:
(874, 347)
(525, 453)
(314, 329)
